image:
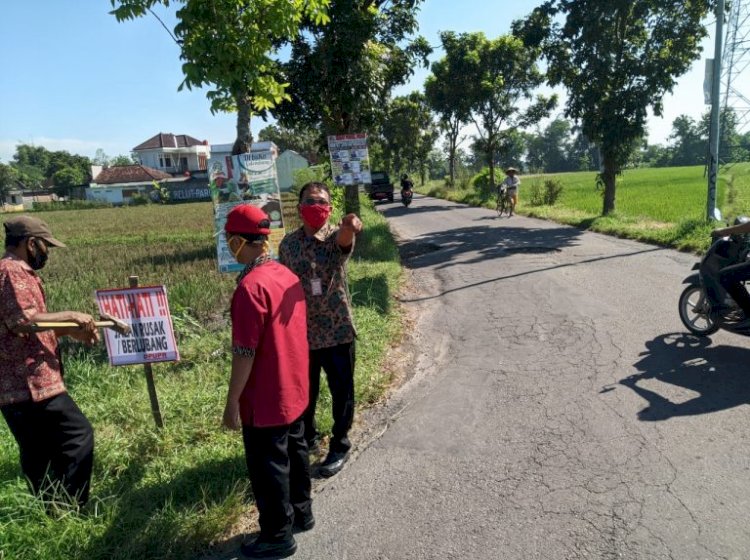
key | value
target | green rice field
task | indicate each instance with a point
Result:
(666, 206)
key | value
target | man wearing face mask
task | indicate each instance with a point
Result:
(55, 439)
(318, 254)
(268, 388)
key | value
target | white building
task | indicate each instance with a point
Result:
(174, 153)
(286, 164)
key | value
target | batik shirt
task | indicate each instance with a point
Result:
(319, 261)
(29, 365)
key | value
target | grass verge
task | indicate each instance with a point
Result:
(663, 206)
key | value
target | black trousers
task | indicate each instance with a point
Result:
(338, 363)
(279, 469)
(56, 443)
(731, 278)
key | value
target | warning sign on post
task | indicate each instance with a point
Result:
(146, 310)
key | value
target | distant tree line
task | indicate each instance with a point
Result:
(36, 168)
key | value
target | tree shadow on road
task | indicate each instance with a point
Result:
(718, 374)
(401, 210)
(444, 248)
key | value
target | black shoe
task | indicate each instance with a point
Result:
(333, 463)
(260, 548)
(303, 523)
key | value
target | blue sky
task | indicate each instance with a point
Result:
(76, 79)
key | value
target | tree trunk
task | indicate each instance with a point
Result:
(491, 165)
(453, 130)
(244, 136)
(609, 174)
(452, 140)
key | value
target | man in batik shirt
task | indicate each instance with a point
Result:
(55, 440)
(318, 254)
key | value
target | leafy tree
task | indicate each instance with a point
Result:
(341, 75)
(557, 137)
(409, 133)
(35, 165)
(656, 155)
(121, 160)
(436, 164)
(616, 58)
(582, 154)
(498, 76)
(446, 97)
(535, 151)
(550, 149)
(512, 148)
(8, 180)
(305, 141)
(100, 158)
(67, 178)
(690, 146)
(229, 45)
(730, 141)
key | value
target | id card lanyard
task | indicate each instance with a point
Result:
(316, 284)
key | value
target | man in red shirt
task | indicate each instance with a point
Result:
(269, 385)
(55, 440)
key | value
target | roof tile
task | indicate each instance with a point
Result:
(129, 174)
(168, 140)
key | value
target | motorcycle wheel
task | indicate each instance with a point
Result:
(695, 312)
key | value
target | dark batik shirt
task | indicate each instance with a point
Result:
(319, 260)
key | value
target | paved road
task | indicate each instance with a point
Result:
(557, 410)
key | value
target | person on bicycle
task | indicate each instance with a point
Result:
(511, 184)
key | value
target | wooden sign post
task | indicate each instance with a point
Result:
(151, 337)
(155, 408)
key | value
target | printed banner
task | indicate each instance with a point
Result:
(146, 310)
(245, 179)
(350, 160)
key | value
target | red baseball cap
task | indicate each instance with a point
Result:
(248, 219)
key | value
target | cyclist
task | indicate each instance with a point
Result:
(511, 184)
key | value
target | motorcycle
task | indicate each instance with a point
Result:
(705, 306)
(406, 197)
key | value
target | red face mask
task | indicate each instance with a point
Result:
(315, 215)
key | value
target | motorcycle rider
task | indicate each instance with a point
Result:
(732, 277)
(406, 186)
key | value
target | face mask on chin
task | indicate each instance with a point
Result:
(315, 215)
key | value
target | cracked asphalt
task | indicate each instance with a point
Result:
(556, 408)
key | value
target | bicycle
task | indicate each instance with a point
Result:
(504, 203)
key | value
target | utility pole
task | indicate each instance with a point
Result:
(714, 133)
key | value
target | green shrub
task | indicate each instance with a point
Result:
(481, 182)
(139, 200)
(545, 194)
(318, 173)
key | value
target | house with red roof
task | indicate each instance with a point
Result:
(173, 162)
(119, 184)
